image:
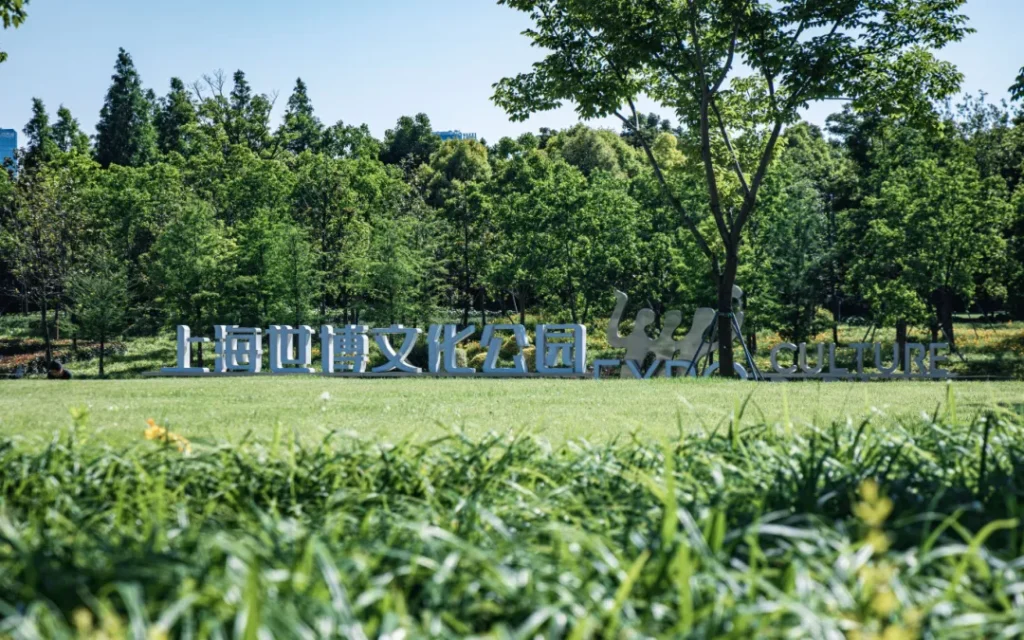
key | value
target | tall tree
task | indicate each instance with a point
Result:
(190, 266)
(67, 133)
(40, 145)
(301, 130)
(458, 174)
(125, 134)
(176, 116)
(606, 53)
(410, 143)
(248, 121)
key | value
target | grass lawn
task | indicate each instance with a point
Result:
(215, 411)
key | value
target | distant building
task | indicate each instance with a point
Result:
(455, 135)
(8, 143)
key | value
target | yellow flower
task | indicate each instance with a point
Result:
(156, 432)
(82, 619)
(878, 540)
(873, 510)
(884, 603)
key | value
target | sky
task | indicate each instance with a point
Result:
(365, 61)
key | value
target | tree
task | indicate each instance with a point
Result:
(457, 176)
(12, 14)
(44, 239)
(41, 146)
(301, 130)
(606, 53)
(175, 118)
(410, 143)
(932, 227)
(1017, 90)
(248, 121)
(648, 127)
(190, 266)
(67, 133)
(100, 293)
(125, 133)
(293, 273)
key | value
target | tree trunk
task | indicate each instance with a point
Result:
(836, 318)
(725, 337)
(901, 340)
(483, 307)
(103, 348)
(46, 332)
(946, 316)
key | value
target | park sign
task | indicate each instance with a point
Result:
(558, 350)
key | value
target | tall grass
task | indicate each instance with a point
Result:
(843, 531)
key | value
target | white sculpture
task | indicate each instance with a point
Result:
(396, 359)
(291, 349)
(442, 341)
(239, 349)
(184, 349)
(666, 348)
(565, 342)
(494, 344)
(346, 350)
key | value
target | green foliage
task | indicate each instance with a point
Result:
(12, 14)
(100, 295)
(67, 133)
(40, 145)
(411, 142)
(901, 215)
(125, 134)
(190, 265)
(174, 119)
(824, 532)
(301, 131)
(605, 54)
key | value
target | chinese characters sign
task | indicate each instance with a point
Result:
(561, 350)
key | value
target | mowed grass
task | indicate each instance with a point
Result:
(222, 410)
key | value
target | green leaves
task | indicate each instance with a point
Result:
(501, 536)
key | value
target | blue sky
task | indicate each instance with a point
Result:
(364, 60)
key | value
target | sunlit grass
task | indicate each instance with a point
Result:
(842, 530)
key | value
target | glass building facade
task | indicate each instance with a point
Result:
(455, 135)
(8, 143)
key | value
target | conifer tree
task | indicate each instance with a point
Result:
(40, 147)
(67, 133)
(248, 115)
(173, 119)
(301, 131)
(125, 134)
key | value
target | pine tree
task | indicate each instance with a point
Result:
(41, 147)
(68, 134)
(301, 131)
(101, 299)
(248, 115)
(125, 134)
(176, 115)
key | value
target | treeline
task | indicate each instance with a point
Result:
(191, 208)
